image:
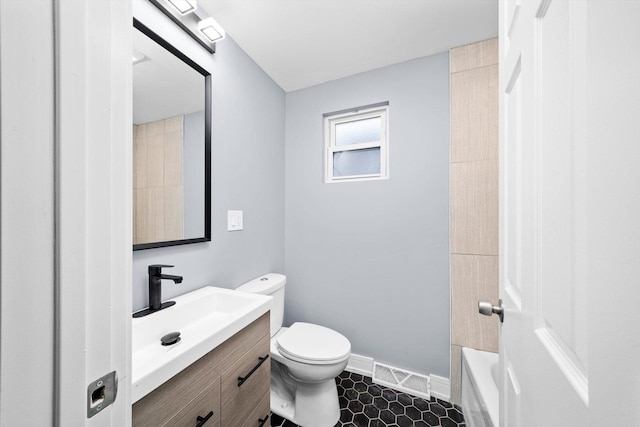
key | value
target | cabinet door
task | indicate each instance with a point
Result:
(238, 401)
(204, 410)
(261, 414)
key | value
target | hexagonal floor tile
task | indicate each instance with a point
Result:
(365, 404)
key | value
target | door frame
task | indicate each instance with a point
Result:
(94, 205)
(66, 209)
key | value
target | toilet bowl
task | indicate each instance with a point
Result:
(306, 358)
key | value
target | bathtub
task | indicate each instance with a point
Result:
(480, 388)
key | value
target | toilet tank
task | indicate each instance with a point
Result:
(271, 284)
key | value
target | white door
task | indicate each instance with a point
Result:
(552, 172)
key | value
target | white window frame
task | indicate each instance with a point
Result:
(330, 147)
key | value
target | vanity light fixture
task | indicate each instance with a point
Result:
(184, 6)
(211, 29)
(193, 19)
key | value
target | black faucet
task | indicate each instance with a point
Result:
(155, 289)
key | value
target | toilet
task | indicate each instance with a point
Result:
(305, 359)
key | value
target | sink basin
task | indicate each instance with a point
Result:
(205, 319)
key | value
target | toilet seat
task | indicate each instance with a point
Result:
(313, 344)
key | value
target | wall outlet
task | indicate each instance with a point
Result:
(234, 220)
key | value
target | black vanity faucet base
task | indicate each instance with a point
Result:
(146, 311)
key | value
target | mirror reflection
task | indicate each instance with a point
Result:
(171, 178)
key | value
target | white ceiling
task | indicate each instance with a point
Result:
(163, 85)
(301, 43)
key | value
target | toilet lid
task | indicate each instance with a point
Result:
(306, 342)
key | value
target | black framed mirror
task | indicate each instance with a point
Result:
(171, 144)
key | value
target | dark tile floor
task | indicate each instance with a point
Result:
(365, 404)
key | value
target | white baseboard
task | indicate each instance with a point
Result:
(360, 365)
(363, 365)
(440, 387)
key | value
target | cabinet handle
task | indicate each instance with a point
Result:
(261, 421)
(201, 420)
(241, 380)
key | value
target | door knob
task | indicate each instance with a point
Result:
(486, 308)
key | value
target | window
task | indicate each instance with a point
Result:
(356, 145)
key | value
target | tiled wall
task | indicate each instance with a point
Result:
(157, 181)
(474, 200)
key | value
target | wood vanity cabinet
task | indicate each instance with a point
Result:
(207, 394)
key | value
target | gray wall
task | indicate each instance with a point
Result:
(371, 259)
(193, 177)
(247, 173)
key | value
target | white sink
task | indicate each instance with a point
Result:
(205, 319)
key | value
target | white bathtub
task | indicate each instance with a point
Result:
(480, 388)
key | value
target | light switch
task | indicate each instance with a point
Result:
(234, 220)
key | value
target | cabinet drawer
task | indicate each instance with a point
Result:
(207, 402)
(262, 410)
(238, 402)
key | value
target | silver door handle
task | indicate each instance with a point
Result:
(486, 308)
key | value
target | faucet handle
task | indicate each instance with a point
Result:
(157, 268)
